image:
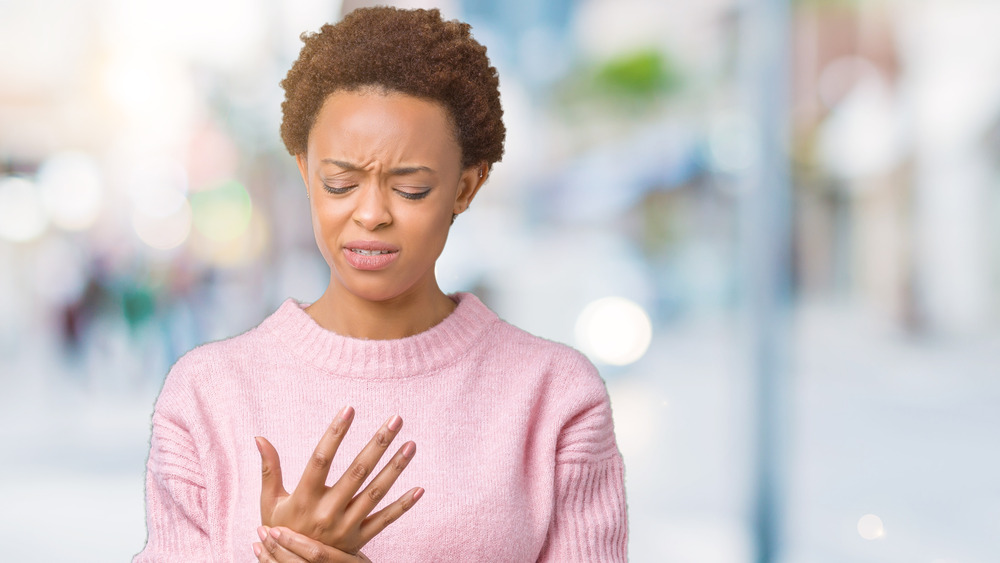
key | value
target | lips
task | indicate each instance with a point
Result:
(370, 254)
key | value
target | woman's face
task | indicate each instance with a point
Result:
(383, 172)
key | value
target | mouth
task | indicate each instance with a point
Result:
(364, 252)
(370, 254)
(370, 247)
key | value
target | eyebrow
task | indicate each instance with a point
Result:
(401, 171)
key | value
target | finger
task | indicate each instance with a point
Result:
(365, 463)
(274, 550)
(260, 550)
(369, 498)
(263, 556)
(271, 486)
(302, 548)
(318, 468)
(264, 553)
(377, 522)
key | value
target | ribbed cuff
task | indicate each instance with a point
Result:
(589, 520)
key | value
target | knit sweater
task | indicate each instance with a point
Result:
(515, 445)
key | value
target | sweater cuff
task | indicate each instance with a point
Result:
(175, 520)
(589, 517)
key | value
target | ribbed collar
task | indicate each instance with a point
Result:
(412, 356)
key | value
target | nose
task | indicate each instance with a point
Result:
(372, 210)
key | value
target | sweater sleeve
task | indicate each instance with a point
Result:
(589, 520)
(176, 517)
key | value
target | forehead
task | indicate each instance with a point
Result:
(370, 124)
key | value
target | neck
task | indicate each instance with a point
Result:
(348, 314)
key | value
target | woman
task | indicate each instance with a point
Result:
(394, 119)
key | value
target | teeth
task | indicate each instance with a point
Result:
(368, 252)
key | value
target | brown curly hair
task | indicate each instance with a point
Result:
(413, 52)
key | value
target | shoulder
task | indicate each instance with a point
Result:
(561, 375)
(197, 372)
(560, 365)
(573, 396)
(567, 369)
(571, 399)
(213, 356)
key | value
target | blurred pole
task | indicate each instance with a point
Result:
(766, 244)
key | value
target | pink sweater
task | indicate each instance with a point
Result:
(515, 444)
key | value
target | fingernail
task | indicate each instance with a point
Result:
(256, 549)
(256, 440)
(409, 449)
(275, 533)
(395, 423)
(262, 533)
(417, 494)
(346, 413)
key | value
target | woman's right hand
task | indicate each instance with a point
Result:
(337, 516)
(286, 546)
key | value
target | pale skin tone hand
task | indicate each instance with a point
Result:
(338, 516)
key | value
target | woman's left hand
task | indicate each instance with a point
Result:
(337, 516)
(281, 545)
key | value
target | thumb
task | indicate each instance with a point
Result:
(271, 487)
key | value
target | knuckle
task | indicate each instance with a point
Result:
(376, 493)
(338, 428)
(319, 460)
(359, 471)
(382, 439)
(406, 504)
(320, 528)
(314, 553)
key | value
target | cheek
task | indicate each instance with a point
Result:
(323, 232)
(434, 226)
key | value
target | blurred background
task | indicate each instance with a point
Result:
(774, 226)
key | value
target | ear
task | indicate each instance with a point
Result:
(469, 182)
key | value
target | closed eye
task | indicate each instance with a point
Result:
(337, 190)
(413, 195)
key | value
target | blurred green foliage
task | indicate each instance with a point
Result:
(222, 213)
(632, 82)
(637, 75)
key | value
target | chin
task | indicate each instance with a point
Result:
(376, 294)
(376, 289)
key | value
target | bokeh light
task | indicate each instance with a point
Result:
(71, 189)
(163, 232)
(22, 216)
(157, 187)
(239, 251)
(222, 214)
(614, 331)
(870, 527)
